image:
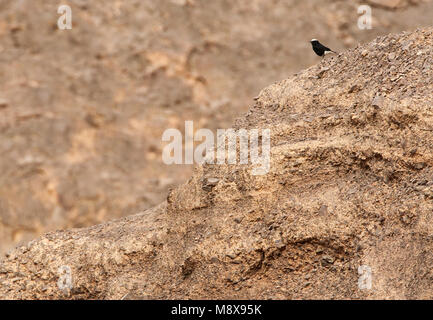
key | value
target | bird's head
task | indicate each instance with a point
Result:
(314, 40)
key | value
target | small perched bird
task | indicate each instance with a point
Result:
(319, 48)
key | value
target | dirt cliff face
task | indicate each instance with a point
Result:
(350, 184)
(82, 111)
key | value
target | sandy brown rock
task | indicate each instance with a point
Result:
(350, 184)
(82, 111)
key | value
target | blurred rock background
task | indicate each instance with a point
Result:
(82, 111)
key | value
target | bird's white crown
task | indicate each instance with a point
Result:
(312, 40)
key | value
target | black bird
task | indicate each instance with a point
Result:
(319, 48)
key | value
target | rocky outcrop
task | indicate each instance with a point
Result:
(350, 184)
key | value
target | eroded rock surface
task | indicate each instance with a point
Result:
(350, 184)
(82, 111)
